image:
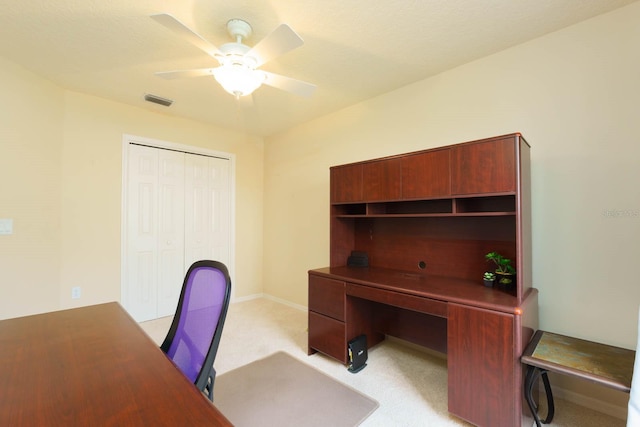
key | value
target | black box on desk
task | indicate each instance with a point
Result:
(358, 259)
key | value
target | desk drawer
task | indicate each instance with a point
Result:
(326, 296)
(328, 336)
(397, 299)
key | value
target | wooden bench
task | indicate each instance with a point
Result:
(599, 363)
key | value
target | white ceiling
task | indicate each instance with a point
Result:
(354, 49)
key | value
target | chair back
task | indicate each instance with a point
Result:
(193, 338)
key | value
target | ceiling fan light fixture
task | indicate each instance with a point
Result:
(238, 79)
(239, 72)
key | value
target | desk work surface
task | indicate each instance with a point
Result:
(605, 364)
(441, 288)
(92, 366)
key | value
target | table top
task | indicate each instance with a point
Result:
(92, 366)
(601, 363)
(441, 288)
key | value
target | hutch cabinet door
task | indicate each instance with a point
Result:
(381, 180)
(426, 175)
(484, 167)
(346, 183)
(481, 363)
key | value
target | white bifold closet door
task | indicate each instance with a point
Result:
(207, 211)
(177, 213)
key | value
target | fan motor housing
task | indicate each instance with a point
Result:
(235, 53)
(239, 28)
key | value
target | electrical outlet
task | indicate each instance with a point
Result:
(6, 226)
(75, 292)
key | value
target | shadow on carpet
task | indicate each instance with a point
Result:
(280, 390)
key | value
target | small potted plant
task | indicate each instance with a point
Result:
(489, 278)
(505, 272)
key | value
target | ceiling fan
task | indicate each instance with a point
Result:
(238, 72)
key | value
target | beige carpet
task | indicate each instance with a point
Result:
(409, 383)
(280, 390)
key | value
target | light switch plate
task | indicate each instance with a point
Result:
(6, 226)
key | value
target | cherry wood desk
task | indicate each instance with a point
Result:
(92, 366)
(426, 219)
(483, 331)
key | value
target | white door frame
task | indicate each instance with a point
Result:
(157, 143)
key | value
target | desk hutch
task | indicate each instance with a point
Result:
(426, 219)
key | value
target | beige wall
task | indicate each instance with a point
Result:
(60, 169)
(574, 96)
(31, 139)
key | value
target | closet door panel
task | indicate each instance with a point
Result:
(197, 207)
(142, 218)
(170, 230)
(220, 216)
(207, 199)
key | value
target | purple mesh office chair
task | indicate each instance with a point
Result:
(194, 336)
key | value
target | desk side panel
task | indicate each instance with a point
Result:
(482, 383)
(523, 227)
(526, 326)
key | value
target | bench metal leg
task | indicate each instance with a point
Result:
(530, 380)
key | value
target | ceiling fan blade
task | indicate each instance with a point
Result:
(290, 85)
(169, 75)
(281, 40)
(185, 32)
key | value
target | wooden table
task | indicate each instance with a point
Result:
(599, 363)
(92, 366)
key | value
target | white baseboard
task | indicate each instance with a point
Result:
(285, 302)
(272, 298)
(589, 402)
(247, 298)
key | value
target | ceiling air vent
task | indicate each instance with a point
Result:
(158, 99)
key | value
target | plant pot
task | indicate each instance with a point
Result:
(506, 281)
(488, 283)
